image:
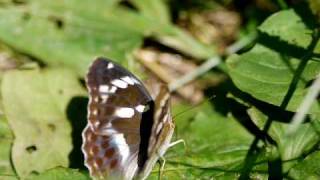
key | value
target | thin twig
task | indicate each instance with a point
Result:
(243, 42)
(212, 62)
(304, 107)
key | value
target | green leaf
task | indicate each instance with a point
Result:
(288, 26)
(308, 168)
(60, 173)
(273, 69)
(153, 10)
(62, 36)
(6, 139)
(35, 104)
(267, 75)
(72, 33)
(215, 147)
(291, 148)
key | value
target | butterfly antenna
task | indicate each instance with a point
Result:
(193, 107)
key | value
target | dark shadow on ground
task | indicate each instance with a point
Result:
(77, 114)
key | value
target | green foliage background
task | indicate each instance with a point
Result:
(241, 133)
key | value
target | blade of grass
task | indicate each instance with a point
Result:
(304, 107)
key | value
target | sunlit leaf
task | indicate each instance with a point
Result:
(6, 139)
(60, 173)
(72, 33)
(267, 75)
(215, 147)
(291, 147)
(35, 104)
(297, 32)
(307, 168)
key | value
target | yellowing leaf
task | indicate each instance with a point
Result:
(35, 104)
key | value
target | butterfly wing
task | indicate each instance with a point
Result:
(161, 133)
(111, 139)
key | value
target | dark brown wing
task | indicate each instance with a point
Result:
(112, 137)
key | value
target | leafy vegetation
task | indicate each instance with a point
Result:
(251, 119)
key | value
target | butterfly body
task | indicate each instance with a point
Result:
(128, 129)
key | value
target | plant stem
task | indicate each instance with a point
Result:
(211, 62)
(206, 66)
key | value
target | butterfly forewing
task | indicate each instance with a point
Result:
(117, 100)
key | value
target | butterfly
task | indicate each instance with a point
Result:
(128, 130)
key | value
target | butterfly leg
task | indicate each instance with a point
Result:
(177, 142)
(162, 166)
(161, 158)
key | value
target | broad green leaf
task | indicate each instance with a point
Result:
(6, 139)
(72, 33)
(267, 75)
(156, 10)
(308, 168)
(35, 104)
(288, 26)
(291, 147)
(75, 42)
(267, 71)
(60, 173)
(215, 147)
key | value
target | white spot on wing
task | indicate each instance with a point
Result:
(119, 83)
(113, 89)
(140, 108)
(128, 80)
(119, 141)
(135, 80)
(104, 88)
(96, 124)
(95, 112)
(107, 89)
(110, 66)
(104, 98)
(124, 112)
